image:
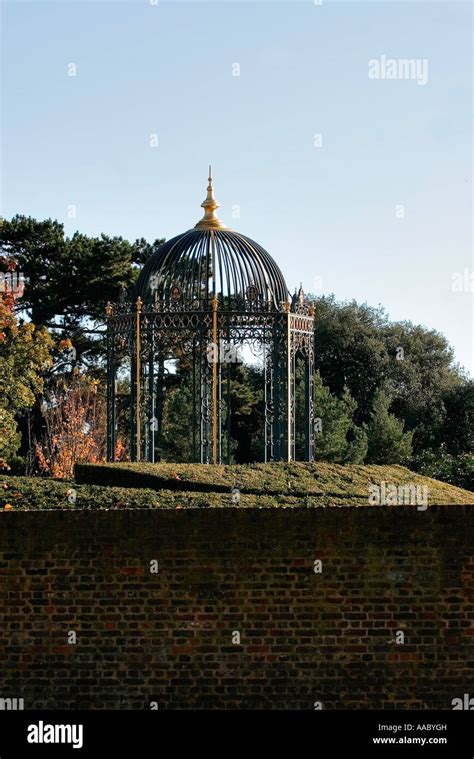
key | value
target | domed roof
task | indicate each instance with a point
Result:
(209, 260)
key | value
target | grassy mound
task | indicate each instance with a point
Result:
(174, 486)
(327, 483)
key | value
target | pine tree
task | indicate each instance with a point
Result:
(68, 281)
(335, 426)
(388, 443)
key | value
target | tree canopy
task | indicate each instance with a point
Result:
(359, 348)
(69, 280)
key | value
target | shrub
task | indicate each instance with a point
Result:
(74, 417)
(441, 465)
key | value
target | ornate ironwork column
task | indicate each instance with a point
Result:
(152, 421)
(309, 390)
(135, 383)
(302, 342)
(279, 375)
(206, 385)
(269, 401)
(111, 381)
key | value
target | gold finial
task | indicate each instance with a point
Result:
(139, 304)
(108, 309)
(210, 220)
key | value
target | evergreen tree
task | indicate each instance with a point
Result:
(387, 441)
(359, 347)
(176, 440)
(335, 426)
(350, 351)
(357, 451)
(68, 281)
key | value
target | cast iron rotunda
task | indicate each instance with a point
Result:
(206, 294)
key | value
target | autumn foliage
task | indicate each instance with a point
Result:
(25, 352)
(74, 417)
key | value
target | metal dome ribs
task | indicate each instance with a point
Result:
(201, 263)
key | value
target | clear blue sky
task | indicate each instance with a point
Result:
(327, 212)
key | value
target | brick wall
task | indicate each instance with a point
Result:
(305, 636)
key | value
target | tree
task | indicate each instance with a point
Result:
(74, 415)
(441, 465)
(25, 353)
(247, 413)
(68, 281)
(387, 441)
(9, 438)
(357, 451)
(457, 431)
(420, 378)
(175, 442)
(335, 426)
(350, 350)
(357, 346)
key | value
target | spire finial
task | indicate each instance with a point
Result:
(210, 220)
